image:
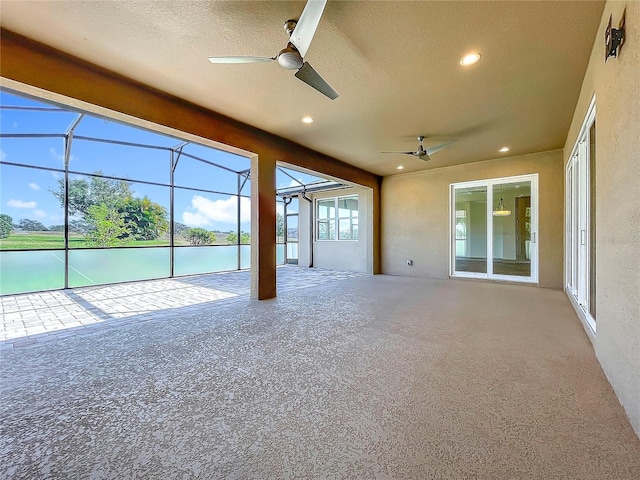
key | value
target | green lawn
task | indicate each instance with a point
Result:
(55, 240)
(29, 240)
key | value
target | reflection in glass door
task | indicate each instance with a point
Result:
(471, 229)
(512, 229)
(497, 238)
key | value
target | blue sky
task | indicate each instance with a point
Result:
(26, 192)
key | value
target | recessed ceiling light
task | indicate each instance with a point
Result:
(504, 149)
(469, 59)
(307, 120)
(399, 167)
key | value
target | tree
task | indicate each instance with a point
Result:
(6, 225)
(29, 225)
(83, 194)
(199, 236)
(279, 226)
(56, 228)
(179, 227)
(145, 219)
(232, 238)
(108, 227)
(79, 226)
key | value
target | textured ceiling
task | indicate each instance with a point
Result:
(394, 64)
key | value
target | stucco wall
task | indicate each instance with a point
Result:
(616, 86)
(350, 255)
(415, 214)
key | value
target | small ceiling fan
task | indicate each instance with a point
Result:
(425, 153)
(291, 57)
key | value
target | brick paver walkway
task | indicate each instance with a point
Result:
(33, 318)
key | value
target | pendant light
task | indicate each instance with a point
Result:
(500, 210)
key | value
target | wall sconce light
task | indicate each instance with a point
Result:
(614, 38)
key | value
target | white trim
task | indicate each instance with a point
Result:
(336, 218)
(489, 184)
(588, 323)
(577, 221)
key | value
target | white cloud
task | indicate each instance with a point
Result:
(203, 212)
(21, 203)
(292, 183)
(34, 186)
(59, 157)
(55, 155)
(3, 156)
(195, 219)
(39, 214)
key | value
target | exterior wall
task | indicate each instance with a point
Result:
(617, 91)
(356, 255)
(415, 214)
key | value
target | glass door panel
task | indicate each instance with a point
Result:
(494, 229)
(471, 229)
(511, 231)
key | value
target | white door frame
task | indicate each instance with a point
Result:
(535, 237)
(578, 222)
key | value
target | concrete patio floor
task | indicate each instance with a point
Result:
(370, 377)
(33, 318)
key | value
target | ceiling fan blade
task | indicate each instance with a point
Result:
(241, 59)
(403, 153)
(307, 24)
(309, 76)
(436, 148)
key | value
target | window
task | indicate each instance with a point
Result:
(341, 212)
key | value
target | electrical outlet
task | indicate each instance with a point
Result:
(410, 262)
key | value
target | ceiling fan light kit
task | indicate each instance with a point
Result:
(291, 57)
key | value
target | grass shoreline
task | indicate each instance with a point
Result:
(55, 241)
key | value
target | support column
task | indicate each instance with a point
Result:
(263, 228)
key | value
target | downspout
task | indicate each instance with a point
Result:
(304, 195)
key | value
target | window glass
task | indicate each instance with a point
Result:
(340, 211)
(326, 208)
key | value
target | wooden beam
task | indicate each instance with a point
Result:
(32, 63)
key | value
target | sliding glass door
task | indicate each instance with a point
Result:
(494, 229)
(580, 243)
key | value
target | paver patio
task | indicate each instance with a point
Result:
(33, 318)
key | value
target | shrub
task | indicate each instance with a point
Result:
(198, 236)
(6, 225)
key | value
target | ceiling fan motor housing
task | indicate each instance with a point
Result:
(290, 58)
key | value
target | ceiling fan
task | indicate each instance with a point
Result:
(292, 56)
(425, 153)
